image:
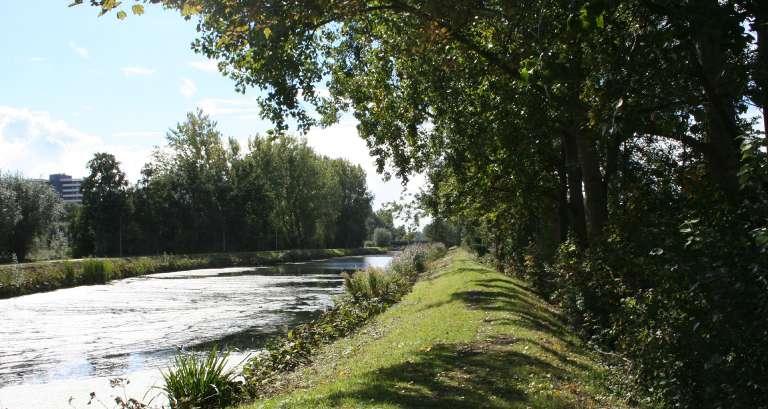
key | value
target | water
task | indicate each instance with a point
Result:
(67, 343)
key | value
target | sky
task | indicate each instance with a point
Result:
(73, 84)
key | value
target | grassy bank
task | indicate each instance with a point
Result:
(28, 278)
(465, 337)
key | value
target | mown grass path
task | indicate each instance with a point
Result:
(466, 337)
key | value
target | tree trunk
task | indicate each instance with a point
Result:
(564, 214)
(709, 47)
(760, 26)
(575, 193)
(596, 197)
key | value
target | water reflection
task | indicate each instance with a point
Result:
(134, 325)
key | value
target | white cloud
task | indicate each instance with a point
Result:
(137, 71)
(138, 134)
(188, 88)
(81, 51)
(37, 145)
(243, 107)
(205, 65)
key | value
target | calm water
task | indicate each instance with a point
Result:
(57, 347)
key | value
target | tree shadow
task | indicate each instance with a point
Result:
(494, 373)
(479, 375)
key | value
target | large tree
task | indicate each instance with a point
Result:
(104, 204)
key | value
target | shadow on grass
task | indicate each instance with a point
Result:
(479, 375)
(483, 374)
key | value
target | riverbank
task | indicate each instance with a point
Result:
(465, 337)
(29, 278)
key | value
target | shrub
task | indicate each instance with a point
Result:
(412, 261)
(69, 272)
(196, 381)
(371, 284)
(382, 237)
(96, 271)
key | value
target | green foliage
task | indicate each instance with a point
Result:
(104, 206)
(444, 232)
(371, 284)
(202, 194)
(29, 212)
(96, 271)
(368, 293)
(69, 273)
(195, 381)
(382, 237)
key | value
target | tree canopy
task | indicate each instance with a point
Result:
(202, 194)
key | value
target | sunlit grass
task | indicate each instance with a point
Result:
(467, 337)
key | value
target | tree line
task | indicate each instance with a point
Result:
(605, 150)
(197, 194)
(200, 194)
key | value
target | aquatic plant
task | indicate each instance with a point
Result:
(201, 381)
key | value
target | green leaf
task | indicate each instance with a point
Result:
(524, 74)
(188, 9)
(600, 21)
(267, 32)
(137, 9)
(584, 17)
(121, 15)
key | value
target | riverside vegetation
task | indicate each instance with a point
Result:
(28, 278)
(202, 381)
(464, 336)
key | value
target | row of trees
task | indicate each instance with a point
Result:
(200, 194)
(601, 148)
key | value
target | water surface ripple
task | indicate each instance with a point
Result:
(83, 336)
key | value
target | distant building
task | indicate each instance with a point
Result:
(67, 188)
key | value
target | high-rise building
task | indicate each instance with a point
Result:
(67, 188)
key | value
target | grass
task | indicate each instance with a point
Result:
(195, 381)
(465, 337)
(28, 278)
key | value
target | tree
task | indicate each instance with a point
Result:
(29, 211)
(382, 237)
(354, 206)
(104, 204)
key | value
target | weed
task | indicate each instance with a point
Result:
(196, 381)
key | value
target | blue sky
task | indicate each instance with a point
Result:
(74, 84)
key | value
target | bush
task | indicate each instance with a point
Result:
(96, 271)
(69, 272)
(382, 237)
(196, 381)
(372, 284)
(412, 261)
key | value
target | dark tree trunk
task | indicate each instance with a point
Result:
(709, 46)
(596, 197)
(575, 193)
(760, 26)
(562, 199)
